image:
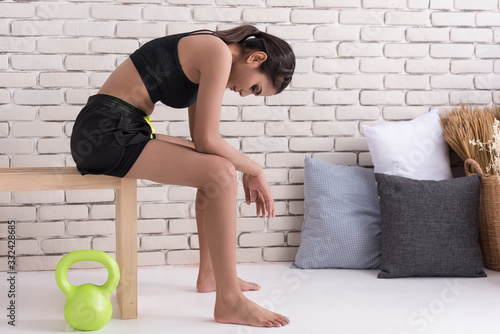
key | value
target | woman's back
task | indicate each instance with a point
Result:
(126, 84)
(158, 71)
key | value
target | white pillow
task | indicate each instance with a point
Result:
(414, 149)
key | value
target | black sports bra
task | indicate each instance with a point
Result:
(158, 64)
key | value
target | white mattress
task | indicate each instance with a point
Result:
(317, 301)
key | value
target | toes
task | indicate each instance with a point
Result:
(280, 321)
(283, 321)
(251, 287)
(276, 324)
(248, 286)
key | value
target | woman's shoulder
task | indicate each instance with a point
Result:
(207, 48)
(208, 43)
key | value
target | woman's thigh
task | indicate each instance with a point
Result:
(175, 140)
(175, 163)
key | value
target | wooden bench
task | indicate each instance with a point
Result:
(62, 178)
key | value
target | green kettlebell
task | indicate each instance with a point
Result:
(87, 306)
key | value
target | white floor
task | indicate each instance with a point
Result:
(317, 301)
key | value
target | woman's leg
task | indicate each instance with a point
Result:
(171, 163)
(206, 278)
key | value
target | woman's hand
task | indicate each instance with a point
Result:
(257, 189)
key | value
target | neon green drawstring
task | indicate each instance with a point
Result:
(148, 119)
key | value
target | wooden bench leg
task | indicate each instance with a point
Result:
(126, 247)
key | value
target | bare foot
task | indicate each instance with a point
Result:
(240, 310)
(207, 284)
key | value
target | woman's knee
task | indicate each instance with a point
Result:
(221, 174)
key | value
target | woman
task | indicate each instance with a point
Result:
(112, 135)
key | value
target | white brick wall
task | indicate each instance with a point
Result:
(358, 61)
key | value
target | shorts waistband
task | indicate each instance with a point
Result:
(117, 103)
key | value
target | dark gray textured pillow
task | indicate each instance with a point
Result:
(429, 228)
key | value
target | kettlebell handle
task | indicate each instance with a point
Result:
(87, 255)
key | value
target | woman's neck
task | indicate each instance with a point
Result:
(236, 52)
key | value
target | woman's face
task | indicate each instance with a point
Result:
(245, 77)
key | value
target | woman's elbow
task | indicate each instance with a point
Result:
(204, 145)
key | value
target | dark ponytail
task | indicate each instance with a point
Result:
(280, 63)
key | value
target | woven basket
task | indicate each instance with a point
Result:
(489, 216)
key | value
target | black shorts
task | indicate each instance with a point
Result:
(108, 136)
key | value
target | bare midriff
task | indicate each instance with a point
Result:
(126, 84)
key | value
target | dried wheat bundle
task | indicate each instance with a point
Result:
(463, 126)
(495, 148)
(497, 112)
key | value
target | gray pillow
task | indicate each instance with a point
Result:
(341, 218)
(430, 228)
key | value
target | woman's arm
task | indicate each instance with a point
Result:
(204, 115)
(254, 182)
(204, 119)
(220, 147)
